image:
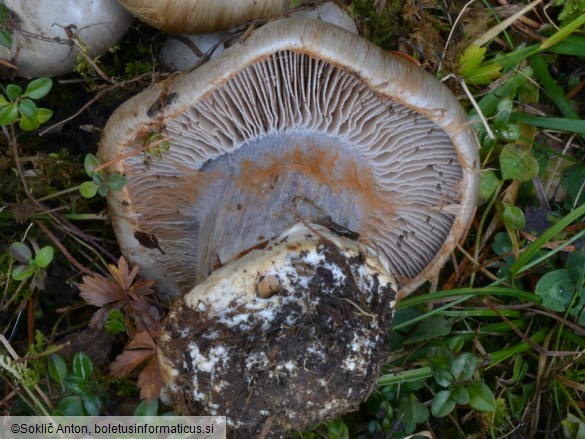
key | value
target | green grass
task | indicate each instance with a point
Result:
(494, 349)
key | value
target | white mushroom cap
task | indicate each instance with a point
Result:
(303, 119)
(329, 13)
(41, 46)
(201, 16)
(177, 53)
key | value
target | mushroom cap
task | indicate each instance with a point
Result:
(286, 336)
(177, 53)
(383, 138)
(201, 16)
(41, 45)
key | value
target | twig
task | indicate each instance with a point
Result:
(40, 406)
(93, 100)
(520, 334)
(71, 259)
(452, 31)
(132, 153)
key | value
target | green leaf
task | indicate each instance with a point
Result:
(481, 397)
(38, 88)
(27, 108)
(573, 427)
(82, 366)
(509, 133)
(75, 384)
(513, 217)
(28, 123)
(439, 358)
(57, 368)
(443, 377)
(519, 369)
(463, 367)
(43, 115)
(337, 429)
(556, 289)
(8, 114)
(146, 408)
(20, 251)
(115, 322)
(13, 91)
(90, 164)
(502, 244)
(91, 403)
(412, 411)
(505, 107)
(44, 256)
(22, 272)
(116, 182)
(488, 184)
(71, 406)
(103, 190)
(574, 184)
(459, 395)
(442, 404)
(6, 39)
(429, 329)
(485, 75)
(470, 60)
(88, 189)
(517, 163)
(552, 123)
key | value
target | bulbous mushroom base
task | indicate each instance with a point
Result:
(282, 338)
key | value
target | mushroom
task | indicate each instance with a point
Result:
(201, 16)
(185, 52)
(42, 31)
(308, 179)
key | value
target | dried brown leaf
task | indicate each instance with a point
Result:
(150, 381)
(142, 340)
(143, 287)
(129, 360)
(121, 275)
(145, 317)
(99, 291)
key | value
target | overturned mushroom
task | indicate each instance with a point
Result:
(43, 31)
(307, 168)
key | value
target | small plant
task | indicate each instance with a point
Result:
(470, 68)
(19, 106)
(31, 267)
(83, 401)
(453, 374)
(124, 306)
(100, 183)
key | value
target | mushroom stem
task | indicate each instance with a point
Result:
(270, 184)
(283, 337)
